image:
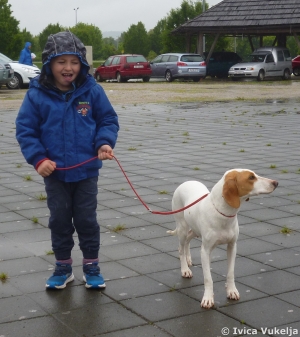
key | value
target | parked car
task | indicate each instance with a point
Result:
(173, 66)
(264, 62)
(22, 73)
(220, 62)
(296, 65)
(6, 73)
(123, 68)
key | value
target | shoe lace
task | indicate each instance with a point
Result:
(92, 271)
(60, 271)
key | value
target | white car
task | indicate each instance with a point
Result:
(264, 62)
(22, 73)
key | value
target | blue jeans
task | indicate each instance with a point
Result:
(73, 207)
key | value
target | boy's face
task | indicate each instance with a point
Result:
(65, 69)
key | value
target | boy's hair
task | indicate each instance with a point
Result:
(63, 43)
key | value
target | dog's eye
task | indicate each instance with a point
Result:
(252, 177)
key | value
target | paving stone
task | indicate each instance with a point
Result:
(100, 318)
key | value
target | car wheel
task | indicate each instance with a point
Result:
(99, 78)
(146, 79)
(16, 82)
(168, 76)
(296, 71)
(261, 75)
(286, 74)
(119, 78)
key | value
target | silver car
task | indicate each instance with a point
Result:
(173, 66)
(264, 62)
(6, 73)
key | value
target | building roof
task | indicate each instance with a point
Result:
(236, 17)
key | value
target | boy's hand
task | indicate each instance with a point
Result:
(46, 168)
(105, 152)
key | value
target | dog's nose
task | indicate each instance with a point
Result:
(275, 183)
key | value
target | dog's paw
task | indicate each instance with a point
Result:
(186, 273)
(189, 261)
(233, 294)
(207, 302)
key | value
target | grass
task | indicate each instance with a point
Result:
(41, 197)
(118, 228)
(3, 277)
(285, 230)
(35, 219)
(163, 192)
(27, 177)
(49, 252)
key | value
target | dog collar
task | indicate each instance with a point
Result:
(227, 216)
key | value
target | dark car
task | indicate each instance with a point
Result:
(123, 68)
(178, 66)
(220, 63)
(296, 65)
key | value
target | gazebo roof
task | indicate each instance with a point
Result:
(255, 17)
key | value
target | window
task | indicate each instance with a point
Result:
(116, 60)
(287, 54)
(165, 58)
(191, 58)
(157, 59)
(280, 57)
(270, 58)
(173, 58)
(135, 59)
(108, 61)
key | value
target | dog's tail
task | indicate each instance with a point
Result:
(172, 232)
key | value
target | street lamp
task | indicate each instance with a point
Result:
(76, 9)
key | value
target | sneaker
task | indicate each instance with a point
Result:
(92, 277)
(62, 275)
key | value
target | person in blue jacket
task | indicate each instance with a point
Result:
(66, 119)
(25, 55)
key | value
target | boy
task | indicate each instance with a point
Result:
(66, 119)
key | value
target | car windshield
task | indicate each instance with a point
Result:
(191, 58)
(259, 57)
(134, 59)
(4, 58)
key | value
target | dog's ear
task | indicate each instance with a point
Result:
(230, 191)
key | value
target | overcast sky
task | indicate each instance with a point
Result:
(107, 15)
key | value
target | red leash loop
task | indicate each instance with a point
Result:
(157, 212)
(140, 199)
(77, 165)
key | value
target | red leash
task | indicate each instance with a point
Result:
(140, 199)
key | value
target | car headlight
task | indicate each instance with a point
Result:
(28, 70)
(249, 68)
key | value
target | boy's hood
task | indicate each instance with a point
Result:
(27, 45)
(64, 43)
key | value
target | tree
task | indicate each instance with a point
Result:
(177, 43)
(90, 35)
(11, 42)
(155, 37)
(136, 40)
(50, 29)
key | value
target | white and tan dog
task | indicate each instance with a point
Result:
(214, 219)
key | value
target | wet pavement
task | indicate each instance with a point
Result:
(159, 147)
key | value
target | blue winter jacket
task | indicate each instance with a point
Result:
(25, 56)
(66, 130)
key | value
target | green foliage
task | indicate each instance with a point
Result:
(187, 11)
(90, 35)
(136, 40)
(50, 29)
(11, 42)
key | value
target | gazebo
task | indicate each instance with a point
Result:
(249, 18)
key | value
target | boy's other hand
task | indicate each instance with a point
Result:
(105, 152)
(46, 168)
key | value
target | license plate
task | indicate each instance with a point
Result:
(239, 72)
(193, 70)
(138, 66)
